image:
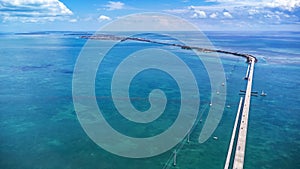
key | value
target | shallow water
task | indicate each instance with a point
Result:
(39, 127)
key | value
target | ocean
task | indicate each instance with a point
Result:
(40, 129)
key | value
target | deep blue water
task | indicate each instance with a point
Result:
(39, 127)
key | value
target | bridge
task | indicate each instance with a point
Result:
(239, 156)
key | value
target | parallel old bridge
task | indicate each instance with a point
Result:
(244, 104)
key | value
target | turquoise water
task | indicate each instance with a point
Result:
(39, 127)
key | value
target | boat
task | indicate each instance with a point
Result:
(263, 93)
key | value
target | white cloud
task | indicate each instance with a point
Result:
(201, 14)
(227, 15)
(114, 5)
(103, 18)
(257, 13)
(253, 11)
(196, 13)
(33, 10)
(289, 5)
(213, 15)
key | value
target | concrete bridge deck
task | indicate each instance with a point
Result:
(242, 136)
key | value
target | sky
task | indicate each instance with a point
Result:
(90, 15)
